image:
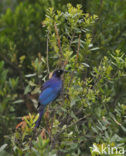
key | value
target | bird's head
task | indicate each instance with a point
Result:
(57, 73)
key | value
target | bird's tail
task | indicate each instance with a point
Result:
(40, 117)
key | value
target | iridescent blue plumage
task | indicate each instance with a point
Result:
(50, 91)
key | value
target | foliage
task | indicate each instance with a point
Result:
(109, 31)
(91, 109)
(7, 109)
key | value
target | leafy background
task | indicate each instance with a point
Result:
(37, 37)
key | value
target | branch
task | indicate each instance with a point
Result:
(74, 123)
(17, 70)
(77, 56)
(72, 39)
(47, 52)
(78, 49)
(58, 40)
(13, 66)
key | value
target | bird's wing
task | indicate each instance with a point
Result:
(48, 95)
(46, 84)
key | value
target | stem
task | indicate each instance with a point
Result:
(47, 52)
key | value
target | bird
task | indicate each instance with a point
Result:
(49, 92)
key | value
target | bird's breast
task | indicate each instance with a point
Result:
(57, 86)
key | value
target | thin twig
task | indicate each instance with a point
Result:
(35, 134)
(78, 49)
(47, 52)
(15, 68)
(77, 56)
(117, 122)
(72, 39)
(58, 40)
(68, 118)
(12, 65)
(74, 123)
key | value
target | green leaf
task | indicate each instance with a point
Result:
(18, 101)
(31, 75)
(3, 147)
(86, 65)
(27, 90)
